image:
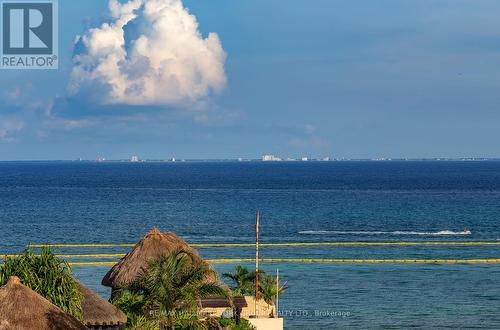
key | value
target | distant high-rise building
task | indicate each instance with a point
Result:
(134, 159)
(270, 158)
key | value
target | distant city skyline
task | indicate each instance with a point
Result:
(228, 79)
(263, 158)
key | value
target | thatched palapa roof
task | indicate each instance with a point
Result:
(99, 312)
(23, 308)
(133, 265)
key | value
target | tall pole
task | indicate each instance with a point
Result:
(277, 292)
(257, 220)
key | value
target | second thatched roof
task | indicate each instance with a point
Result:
(99, 312)
(23, 308)
(133, 265)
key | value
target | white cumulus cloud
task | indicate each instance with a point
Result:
(150, 53)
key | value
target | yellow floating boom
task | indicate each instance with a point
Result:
(276, 244)
(73, 256)
(224, 260)
(80, 245)
(299, 260)
(280, 260)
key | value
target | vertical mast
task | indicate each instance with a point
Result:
(277, 292)
(257, 220)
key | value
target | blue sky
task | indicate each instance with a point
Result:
(356, 79)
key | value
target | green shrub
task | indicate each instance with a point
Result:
(230, 324)
(46, 275)
(130, 302)
(141, 323)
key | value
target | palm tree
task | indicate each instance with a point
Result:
(173, 286)
(132, 304)
(244, 281)
(269, 289)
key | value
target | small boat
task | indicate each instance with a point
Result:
(467, 232)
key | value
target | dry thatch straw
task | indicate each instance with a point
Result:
(99, 313)
(22, 308)
(133, 265)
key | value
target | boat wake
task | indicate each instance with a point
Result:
(397, 232)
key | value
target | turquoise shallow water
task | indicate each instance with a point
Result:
(68, 202)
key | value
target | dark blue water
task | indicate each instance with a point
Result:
(321, 201)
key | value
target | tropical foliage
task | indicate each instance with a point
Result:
(168, 293)
(269, 289)
(167, 296)
(228, 323)
(132, 304)
(140, 322)
(243, 283)
(46, 275)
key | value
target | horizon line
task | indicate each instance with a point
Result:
(240, 159)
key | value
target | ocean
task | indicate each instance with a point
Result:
(215, 202)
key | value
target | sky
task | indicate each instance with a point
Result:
(229, 79)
